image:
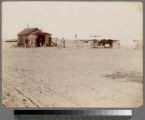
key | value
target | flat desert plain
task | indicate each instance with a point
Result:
(75, 76)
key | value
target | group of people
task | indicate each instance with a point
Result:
(27, 43)
(60, 43)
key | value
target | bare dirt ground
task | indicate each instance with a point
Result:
(71, 77)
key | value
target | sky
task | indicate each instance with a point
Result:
(112, 20)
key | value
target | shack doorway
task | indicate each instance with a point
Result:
(40, 40)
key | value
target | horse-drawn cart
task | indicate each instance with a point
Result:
(95, 44)
(105, 43)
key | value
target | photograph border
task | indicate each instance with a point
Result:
(7, 113)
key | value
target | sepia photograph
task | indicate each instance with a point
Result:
(72, 54)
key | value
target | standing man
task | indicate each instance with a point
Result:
(49, 44)
(63, 42)
(26, 42)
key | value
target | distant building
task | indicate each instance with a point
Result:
(106, 43)
(34, 38)
(115, 43)
(138, 44)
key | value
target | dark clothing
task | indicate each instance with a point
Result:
(26, 43)
(49, 43)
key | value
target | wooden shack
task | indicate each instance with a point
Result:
(35, 37)
(23, 35)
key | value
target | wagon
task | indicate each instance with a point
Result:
(95, 43)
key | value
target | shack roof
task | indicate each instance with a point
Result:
(28, 31)
(40, 33)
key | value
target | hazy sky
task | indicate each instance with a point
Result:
(114, 20)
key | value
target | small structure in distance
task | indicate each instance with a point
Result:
(105, 43)
(138, 44)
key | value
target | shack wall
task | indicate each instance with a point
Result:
(32, 40)
(22, 39)
(47, 40)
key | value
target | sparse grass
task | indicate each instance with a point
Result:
(129, 77)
